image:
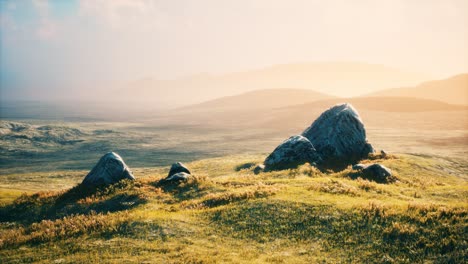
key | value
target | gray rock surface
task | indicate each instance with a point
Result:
(259, 168)
(180, 176)
(378, 173)
(359, 166)
(110, 169)
(292, 152)
(339, 136)
(178, 167)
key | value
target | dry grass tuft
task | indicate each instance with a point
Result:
(335, 187)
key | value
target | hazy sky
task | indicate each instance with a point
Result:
(63, 44)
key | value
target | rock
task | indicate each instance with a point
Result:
(8, 127)
(178, 167)
(178, 172)
(383, 154)
(180, 176)
(259, 168)
(378, 173)
(110, 169)
(339, 137)
(359, 166)
(294, 151)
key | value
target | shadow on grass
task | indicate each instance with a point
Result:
(378, 231)
(244, 166)
(194, 187)
(80, 199)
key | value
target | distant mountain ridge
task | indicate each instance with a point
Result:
(334, 78)
(260, 99)
(453, 90)
(384, 104)
(294, 116)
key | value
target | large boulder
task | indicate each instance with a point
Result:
(110, 169)
(294, 151)
(339, 137)
(178, 167)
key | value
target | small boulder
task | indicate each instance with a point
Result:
(383, 153)
(178, 167)
(378, 173)
(259, 168)
(177, 177)
(178, 172)
(294, 151)
(110, 169)
(339, 137)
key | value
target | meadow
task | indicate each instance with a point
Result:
(226, 213)
(103, 90)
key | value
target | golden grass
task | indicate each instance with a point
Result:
(226, 213)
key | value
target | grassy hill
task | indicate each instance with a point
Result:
(228, 214)
(453, 90)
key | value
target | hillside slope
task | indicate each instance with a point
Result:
(453, 90)
(227, 214)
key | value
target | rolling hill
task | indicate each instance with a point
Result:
(335, 78)
(382, 112)
(389, 112)
(260, 99)
(453, 90)
(384, 104)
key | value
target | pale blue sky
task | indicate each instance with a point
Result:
(57, 45)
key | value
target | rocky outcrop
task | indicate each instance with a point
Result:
(178, 167)
(9, 127)
(25, 134)
(292, 152)
(339, 137)
(110, 169)
(334, 140)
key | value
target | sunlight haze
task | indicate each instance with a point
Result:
(66, 49)
(233, 131)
